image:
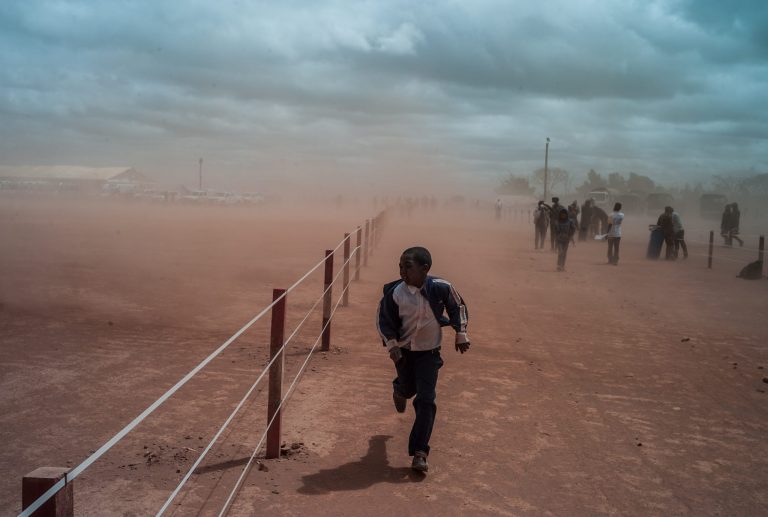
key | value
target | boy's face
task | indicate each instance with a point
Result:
(412, 272)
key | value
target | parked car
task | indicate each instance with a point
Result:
(195, 196)
(251, 198)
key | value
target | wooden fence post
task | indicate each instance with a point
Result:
(37, 482)
(711, 246)
(345, 285)
(373, 236)
(275, 375)
(327, 298)
(359, 250)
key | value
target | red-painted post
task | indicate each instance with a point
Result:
(365, 242)
(275, 374)
(373, 236)
(38, 482)
(711, 246)
(359, 250)
(345, 285)
(326, 344)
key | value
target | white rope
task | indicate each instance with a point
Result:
(717, 258)
(721, 246)
(239, 481)
(248, 394)
(72, 474)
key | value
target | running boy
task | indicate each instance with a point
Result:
(409, 321)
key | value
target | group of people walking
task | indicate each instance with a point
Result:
(563, 224)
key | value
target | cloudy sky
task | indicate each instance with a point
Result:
(387, 92)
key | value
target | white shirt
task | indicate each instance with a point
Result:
(677, 222)
(615, 220)
(420, 329)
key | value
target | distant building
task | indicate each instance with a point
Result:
(72, 178)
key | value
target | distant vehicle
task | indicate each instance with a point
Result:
(630, 202)
(253, 198)
(603, 197)
(195, 196)
(222, 198)
(658, 200)
(712, 205)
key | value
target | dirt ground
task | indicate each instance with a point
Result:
(630, 390)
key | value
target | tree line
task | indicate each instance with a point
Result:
(559, 180)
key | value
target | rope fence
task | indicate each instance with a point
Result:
(43, 487)
(283, 400)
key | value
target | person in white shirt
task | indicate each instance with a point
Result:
(409, 320)
(677, 226)
(613, 235)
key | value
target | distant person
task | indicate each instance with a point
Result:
(409, 321)
(613, 234)
(677, 226)
(725, 225)
(668, 229)
(540, 224)
(564, 228)
(586, 219)
(554, 213)
(497, 209)
(733, 224)
(573, 213)
(599, 220)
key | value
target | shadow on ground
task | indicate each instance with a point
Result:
(369, 470)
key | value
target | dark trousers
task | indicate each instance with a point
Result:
(552, 238)
(541, 236)
(613, 249)
(562, 253)
(417, 375)
(680, 243)
(669, 241)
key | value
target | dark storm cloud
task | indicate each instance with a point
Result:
(471, 87)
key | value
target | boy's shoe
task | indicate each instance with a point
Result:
(400, 402)
(420, 462)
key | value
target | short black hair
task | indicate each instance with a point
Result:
(617, 207)
(420, 255)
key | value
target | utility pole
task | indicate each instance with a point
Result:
(200, 182)
(546, 159)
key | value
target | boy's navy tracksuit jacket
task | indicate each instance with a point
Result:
(442, 298)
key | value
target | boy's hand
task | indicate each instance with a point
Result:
(395, 354)
(462, 342)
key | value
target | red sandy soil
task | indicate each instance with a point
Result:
(632, 390)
